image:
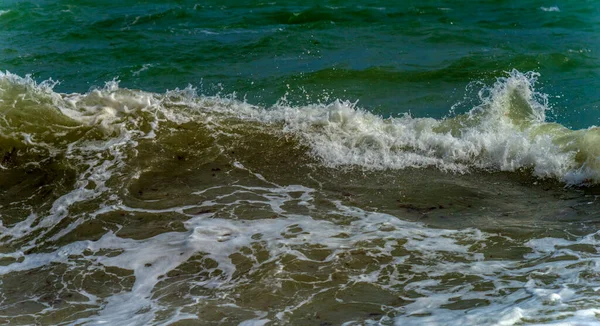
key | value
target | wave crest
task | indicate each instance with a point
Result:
(506, 131)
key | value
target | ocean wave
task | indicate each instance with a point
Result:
(506, 131)
(165, 228)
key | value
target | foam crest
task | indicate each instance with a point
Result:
(506, 131)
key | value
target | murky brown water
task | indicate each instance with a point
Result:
(163, 219)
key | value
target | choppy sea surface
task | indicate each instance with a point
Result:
(283, 163)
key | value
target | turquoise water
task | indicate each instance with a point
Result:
(276, 163)
(410, 56)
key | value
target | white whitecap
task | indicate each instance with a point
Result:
(550, 9)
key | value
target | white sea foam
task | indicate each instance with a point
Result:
(220, 239)
(550, 9)
(543, 290)
(144, 67)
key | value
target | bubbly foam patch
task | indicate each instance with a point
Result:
(430, 269)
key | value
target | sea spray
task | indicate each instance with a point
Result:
(507, 131)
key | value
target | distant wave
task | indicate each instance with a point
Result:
(554, 8)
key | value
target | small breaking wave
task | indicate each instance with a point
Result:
(506, 131)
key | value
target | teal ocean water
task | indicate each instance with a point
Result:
(391, 57)
(322, 163)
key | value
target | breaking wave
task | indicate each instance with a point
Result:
(506, 131)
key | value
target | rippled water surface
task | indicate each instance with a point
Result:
(356, 163)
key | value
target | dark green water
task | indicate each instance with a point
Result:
(276, 163)
(393, 57)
